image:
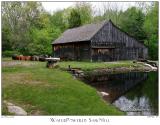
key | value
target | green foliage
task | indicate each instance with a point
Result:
(41, 41)
(58, 20)
(151, 22)
(9, 53)
(75, 19)
(151, 29)
(152, 44)
(81, 14)
(31, 32)
(6, 43)
(18, 17)
(132, 22)
(85, 11)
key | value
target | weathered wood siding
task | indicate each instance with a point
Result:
(73, 51)
(110, 44)
(64, 51)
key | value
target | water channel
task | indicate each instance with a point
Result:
(135, 93)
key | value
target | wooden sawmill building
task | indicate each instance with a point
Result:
(102, 41)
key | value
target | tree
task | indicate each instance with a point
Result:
(132, 22)
(74, 19)
(57, 19)
(6, 44)
(110, 10)
(18, 18)
(85, 11)
(151, 29)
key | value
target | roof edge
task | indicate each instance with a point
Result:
(128, 34)
(70, 42)
(104, 22)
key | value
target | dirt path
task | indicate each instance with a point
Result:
(15, 63)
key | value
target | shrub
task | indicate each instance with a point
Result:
(9, 53)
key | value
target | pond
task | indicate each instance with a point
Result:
(135, 93)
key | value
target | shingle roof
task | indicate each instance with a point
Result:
(83, 33)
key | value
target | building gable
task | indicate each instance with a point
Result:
(112, 34)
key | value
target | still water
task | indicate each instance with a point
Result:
(135, 93)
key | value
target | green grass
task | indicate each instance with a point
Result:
(87, 66)
(6, 59)
(45, 91)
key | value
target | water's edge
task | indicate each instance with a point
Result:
(113, 88)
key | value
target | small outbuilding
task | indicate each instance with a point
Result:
(103, 41)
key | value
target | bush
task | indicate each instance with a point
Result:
(8, 53)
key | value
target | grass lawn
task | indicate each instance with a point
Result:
(87, 66)
(42, 91)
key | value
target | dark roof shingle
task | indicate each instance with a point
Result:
(83, 33)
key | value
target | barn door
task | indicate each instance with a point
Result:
(140, 53)
(105, 54)
(77, 52)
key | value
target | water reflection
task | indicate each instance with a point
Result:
(137, 106)
(117, 84)
(136, 93)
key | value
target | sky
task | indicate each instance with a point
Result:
(53, 6)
